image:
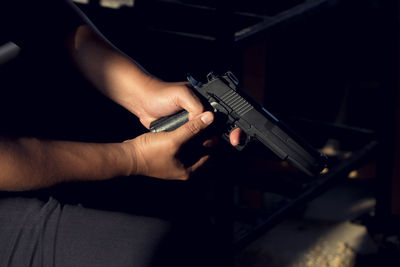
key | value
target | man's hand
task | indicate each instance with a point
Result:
(159, 99)
(163, 99)
(126, 83)
(157, 154)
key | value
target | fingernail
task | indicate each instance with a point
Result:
(234, 142)
(207, 118)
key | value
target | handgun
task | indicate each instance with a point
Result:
(234, 108)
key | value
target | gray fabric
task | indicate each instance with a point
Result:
(45, 233)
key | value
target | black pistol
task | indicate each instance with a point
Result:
(234, 108)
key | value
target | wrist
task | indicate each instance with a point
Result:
(130, 152)
(138, 92)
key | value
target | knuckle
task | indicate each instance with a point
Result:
(147, 139)
(185, 176)
(193, 128)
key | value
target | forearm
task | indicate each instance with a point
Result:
(121, 79)
(109, 70)
(29, 163)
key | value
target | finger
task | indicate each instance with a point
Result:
(190, 102)
(199, 163)
(193, 127)
(147, 121)
(213, 141)
(235, 136)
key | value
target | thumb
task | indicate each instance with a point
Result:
(194, 126)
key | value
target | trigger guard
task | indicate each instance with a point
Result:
(243, 141)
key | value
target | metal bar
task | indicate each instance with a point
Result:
(284, 16)
(8, 52)
(185, 34)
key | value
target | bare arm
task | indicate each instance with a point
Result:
(121, 79)
(29, 163)
(125, 82)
